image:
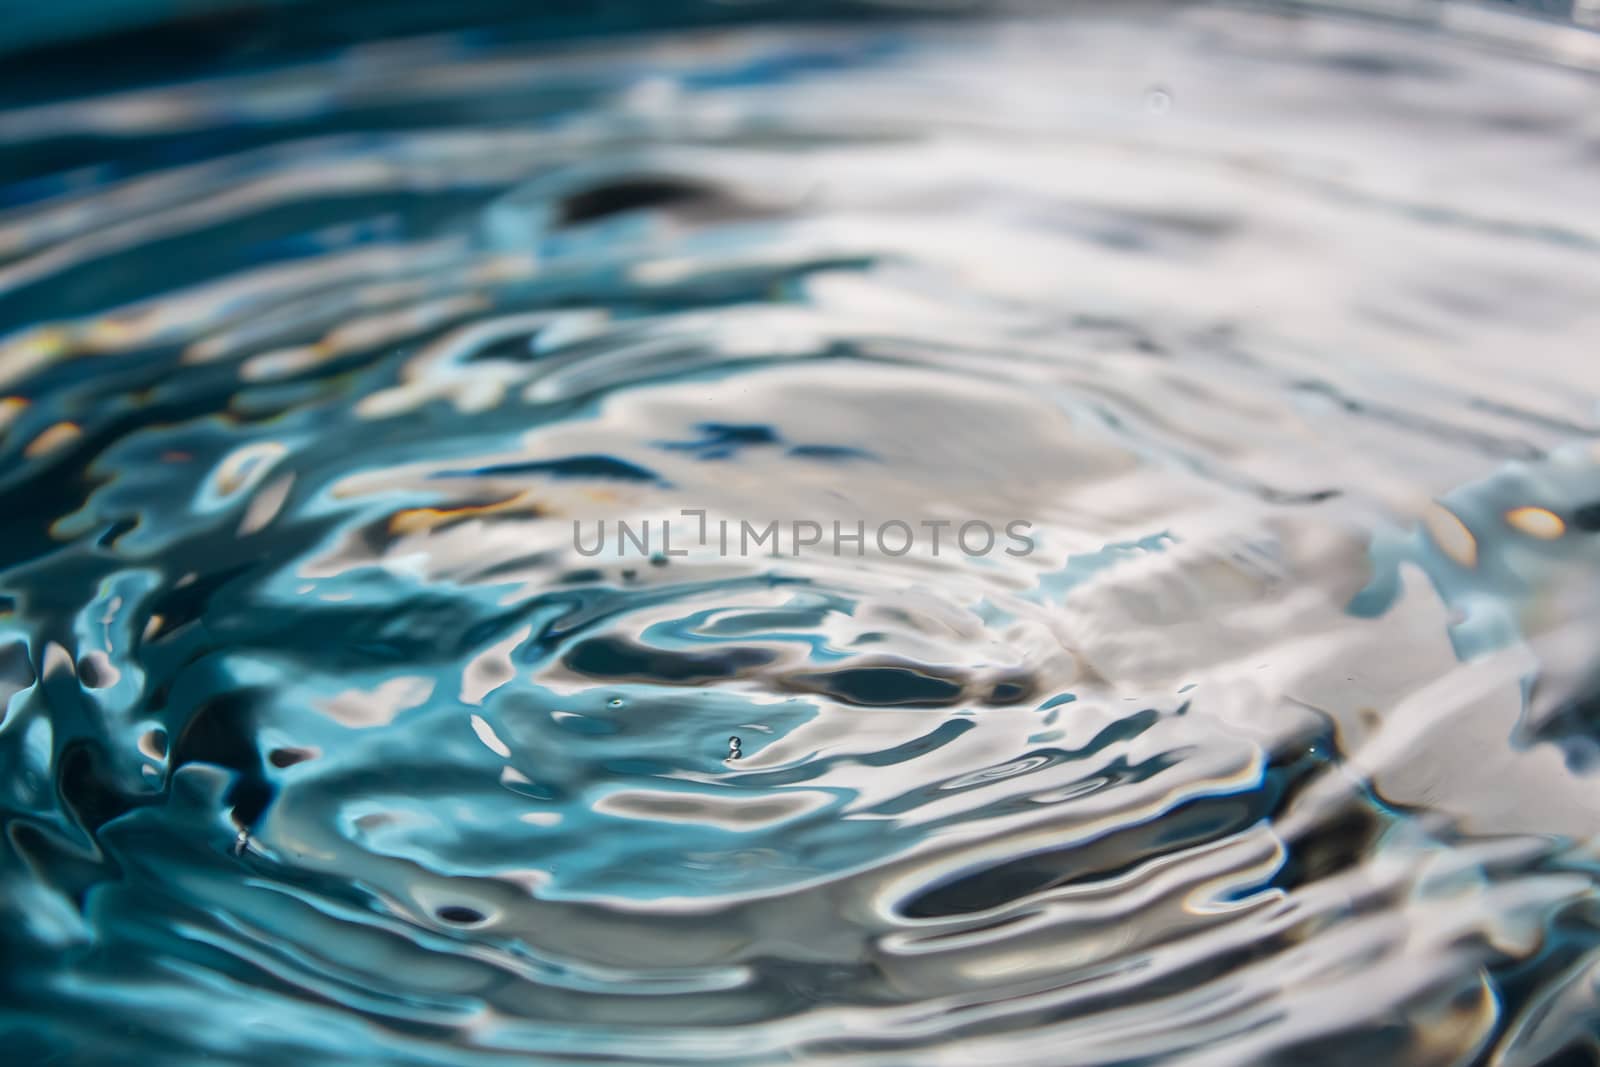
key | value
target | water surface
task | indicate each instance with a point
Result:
(325, 743)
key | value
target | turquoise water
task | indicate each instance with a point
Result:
(1262, 340)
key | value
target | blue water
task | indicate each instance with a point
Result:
(1262, 338)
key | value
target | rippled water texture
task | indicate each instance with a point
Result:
(324, 743)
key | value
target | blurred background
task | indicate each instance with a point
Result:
(91, 40)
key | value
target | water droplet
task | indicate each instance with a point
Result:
(734, 748)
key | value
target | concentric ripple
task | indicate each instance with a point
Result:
(333, 735)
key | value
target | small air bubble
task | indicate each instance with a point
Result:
(735, 748)
(456, 913)
(153, 743)
(288, 757)
(96, 671)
